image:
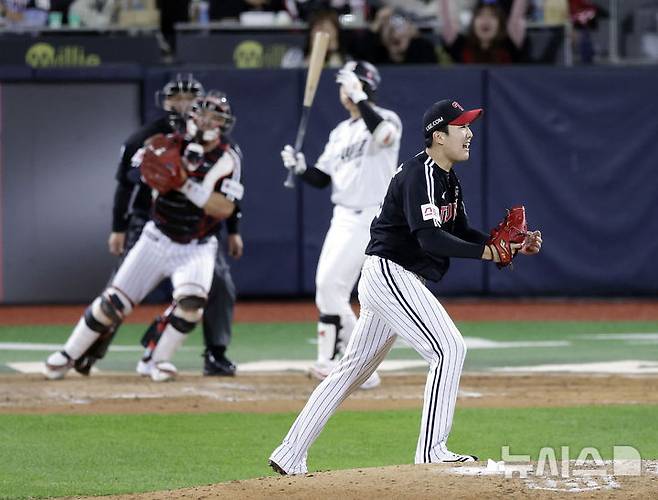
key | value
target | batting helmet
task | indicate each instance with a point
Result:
(368, 74)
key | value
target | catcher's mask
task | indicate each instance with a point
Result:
(368, 74)
(210, 116)
(183, 86)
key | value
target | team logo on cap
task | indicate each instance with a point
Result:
(433, 124)
(456, 105)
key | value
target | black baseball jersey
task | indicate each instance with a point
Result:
(180, 219)
(422, 196)
(124, 201)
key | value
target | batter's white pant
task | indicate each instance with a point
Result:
(156, 257)
(394, 302)
(342, 256)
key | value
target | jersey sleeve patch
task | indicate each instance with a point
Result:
(429, 211)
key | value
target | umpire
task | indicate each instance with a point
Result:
(132, 203)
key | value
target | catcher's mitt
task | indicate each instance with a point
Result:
(512, 229)
(162, 166)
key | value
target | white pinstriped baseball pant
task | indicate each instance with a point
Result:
(156, 257)
(394, 302)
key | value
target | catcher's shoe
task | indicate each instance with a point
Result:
(83, 365)
(57, 365)
(163, 371)
(217, 365)
(277, 468)
(144, 367)
(320, 371)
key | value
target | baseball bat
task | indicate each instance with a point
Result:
(316, 62)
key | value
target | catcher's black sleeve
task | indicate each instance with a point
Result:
(127, 176)
(316, 177)
(441, 244)
(122, 196)
(233, 222)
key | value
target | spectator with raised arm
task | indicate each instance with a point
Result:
(492, 38)
(395, 39)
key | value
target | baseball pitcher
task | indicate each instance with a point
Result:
(421, 225)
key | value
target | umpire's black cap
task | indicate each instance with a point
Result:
(447, 112)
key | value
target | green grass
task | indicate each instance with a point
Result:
(259, 341)
(58, 455)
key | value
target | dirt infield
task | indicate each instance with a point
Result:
(105, 393)
(460, 310)
(267, 393)
(421, 481)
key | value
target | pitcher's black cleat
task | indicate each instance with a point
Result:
(277, 469)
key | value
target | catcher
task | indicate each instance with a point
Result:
(196, 184)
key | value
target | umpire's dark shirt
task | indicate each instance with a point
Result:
(422, 196)
(128, 179)
(125, 184)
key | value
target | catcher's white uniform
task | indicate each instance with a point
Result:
(179, 243)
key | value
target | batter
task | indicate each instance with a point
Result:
(358, 162)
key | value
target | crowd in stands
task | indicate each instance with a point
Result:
(392, 31)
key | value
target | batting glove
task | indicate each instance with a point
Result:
(351, 85)
(293, 160)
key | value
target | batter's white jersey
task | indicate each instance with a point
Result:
(360, 168)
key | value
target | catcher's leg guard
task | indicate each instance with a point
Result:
(150, 340)
(186, 313)
(100, 319)
(103, 316)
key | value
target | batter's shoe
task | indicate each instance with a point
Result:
(320, 371)
(57, 365)
(163, 371)
(277, 468)
(217, 365)
(373, 381)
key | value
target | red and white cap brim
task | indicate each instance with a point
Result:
(467, 117)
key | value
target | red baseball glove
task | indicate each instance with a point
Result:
(162, 167)
(508, 237)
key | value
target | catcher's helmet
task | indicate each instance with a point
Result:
(212, 106)
(181, 84)
(368, 74)
(215, 101)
